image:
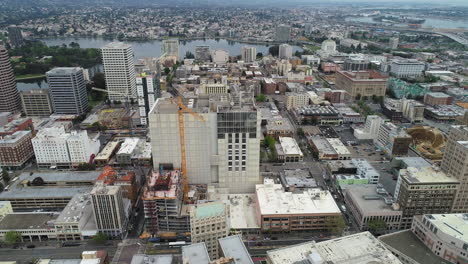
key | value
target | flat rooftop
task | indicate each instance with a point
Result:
(426, 175)
(234, 247)
(338, 146)
(195, 254)
(299, 178)
(15, 137)
(106, 152)
(353, 249)
(117, 45)
(408, 244)
(64, 71)
(369, 201)
(27, 221)
(128, 146)
(290, 146)
(151, 259)
(79, 207)
(415, 162)
(274, 200)
(207, 210)
(455, 225)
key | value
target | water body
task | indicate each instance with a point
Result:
(430, 22)
(147, 48)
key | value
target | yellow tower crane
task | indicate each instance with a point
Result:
(182, 109)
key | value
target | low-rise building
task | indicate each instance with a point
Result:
(30, 226)
(105, 155)
(407, 68)
(329, 148)
(284, 211)
(16, 149)
(353, 249)
(437, 98)
(361, 83)
(317, 115)
(279, 126)
(298, 179)
(444, 112)
(296, 100)
(76, 221)
(370, 204)
(392, 109)
(413, 110)
(288, 150)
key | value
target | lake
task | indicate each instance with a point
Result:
(147, 48)
(430, 22)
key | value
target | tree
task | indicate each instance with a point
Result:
(300, 131)
(189, 55)
(167, 70)
(84, 166)
(269, 142)
(259, 55)
(261, 98)
(358, 96)
(100, 237)
(12, 237)
(273, 50)
(335, 224)
(376, 226)
(99, 80)
(5, 175)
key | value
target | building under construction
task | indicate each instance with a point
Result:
(166, 215)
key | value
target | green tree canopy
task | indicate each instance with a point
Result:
(335, 224)
(12, 237)
(100, 237)
(377, 226)
(261, 98)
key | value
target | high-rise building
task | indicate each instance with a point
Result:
(119, 69)
(109, 209)
(455, 163)
(208, 223)
(222, 150)
(202, 53)
(393, 42)
(147, 91)
(68, 90)
(219, 56)
(36, 102)
(393, 140)
(170, 47)
(283, 33)
(285, 51)
(16, 36)
(412, 110)
(249, 54)
(425, 190)
(9, 96)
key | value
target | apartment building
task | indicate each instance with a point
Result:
(296, 100)
(425, 190)
(68, 90)
(208, 223)
(437, 98)
(15, 35)
(412, 110)
(170, 47)
(36, 102)
(393, 140)
(361, 83)
(370, 129)
(9, 96)
(119, 70)
(16, 149)
(285, 51)
(283, 33)
(148, 90)
(248, 54)
(110, 210)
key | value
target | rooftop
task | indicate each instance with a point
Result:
(338, 146)
(27, 221)
(408, 244)
(195, 254)
(64, 71)
(273, 200)
(107, 151)
(128, 146)
(289, 146)
(15, 137)
(151, 259)
(426, 175)
(297, 178)
(353, 249)
(207, 210)
(77, 209)
(438, 95)
(371, 199)
(117, 45)
(234, 247)
(455, 225)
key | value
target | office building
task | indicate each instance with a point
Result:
(220, 57)
(369, 203)
(279, 126)
(443, 234)
(362, 83)
(47, 190)
(202, 53)
(36, 102)
(208, 223)
(16, 149)
(407, 68)
(283, 33)
(353, 249)
(222, 147)
(249, 54)
(412, 110)
(281, 211)
(393, 42)
(15, 35)
(437, 98)
(285, 51)
(355, 64)
(370, 129)
(9, 96)
(110, 210)
(170, 47)
(329, 148)
(424, 190)
(76, 221)
(296, 100)
(148, 90)
(53, 147)
(393, 140)
(119, 70)
(68, 90)
(455, 164)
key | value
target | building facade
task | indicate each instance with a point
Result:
(9, 96)
(407, 68)
(16, 149)
(148, 90)
(361, 83)
(170, 47)
(16, 36)
(109, 210)
(68, 90)
(249, 54)
(36, 102)
(202, 53)
(285, 51)
(283, 33)
(119, 70)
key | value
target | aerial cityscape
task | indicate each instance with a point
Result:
(248, 132)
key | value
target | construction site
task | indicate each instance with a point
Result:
(428, 141)
(167, 215)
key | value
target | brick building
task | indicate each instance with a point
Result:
(16, 149)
